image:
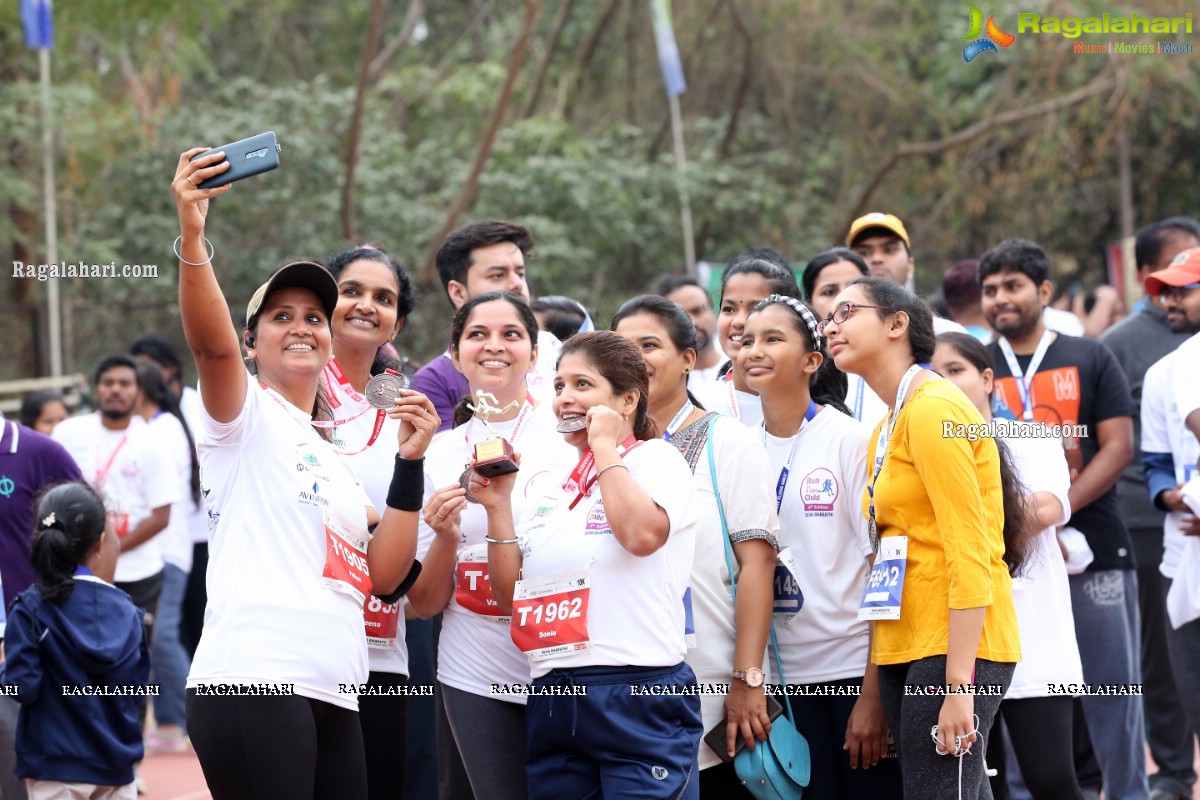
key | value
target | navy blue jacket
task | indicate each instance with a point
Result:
(94, 639)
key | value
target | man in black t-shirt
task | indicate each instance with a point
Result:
(1076, 383)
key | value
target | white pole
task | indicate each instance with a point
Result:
(685, 203)
(52, 298)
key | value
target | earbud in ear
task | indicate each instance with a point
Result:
(249, 341)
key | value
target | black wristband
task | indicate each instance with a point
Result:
(408, 484)
(414, 572)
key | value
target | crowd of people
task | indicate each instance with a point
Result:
(907, 546)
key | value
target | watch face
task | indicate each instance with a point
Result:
(754, 678)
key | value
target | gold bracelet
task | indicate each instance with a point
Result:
(611, 466)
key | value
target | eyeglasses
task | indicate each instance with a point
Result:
(842, 313)
(1176, 292)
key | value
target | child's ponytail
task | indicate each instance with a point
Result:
(70, 519)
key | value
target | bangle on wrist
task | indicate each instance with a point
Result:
(490, 540)
(602, 470)
(207, 244)
(408, 484)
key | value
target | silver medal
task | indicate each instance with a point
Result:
(384, 389)
(464, 481)
(572, 425)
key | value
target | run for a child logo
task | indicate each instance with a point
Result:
(979, 44)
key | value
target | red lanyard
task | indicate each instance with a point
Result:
(733, 402)
(102, 472)
(324, 424)
(579, 480)
(333, 375)
(529, 405)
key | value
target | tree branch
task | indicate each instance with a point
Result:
(984, 126)
(739, 97)
(589, 50)
(370, 48)
(560, 22)
(471, 186)
(397, 43)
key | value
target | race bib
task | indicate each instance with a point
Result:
(382, 622)
(549, 616)
(346, 568)
(885, 585)
(788, 597)
(472, 589)
(119, 522)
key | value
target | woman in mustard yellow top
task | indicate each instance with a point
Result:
(944, 630)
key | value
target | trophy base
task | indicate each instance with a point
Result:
(496, 466)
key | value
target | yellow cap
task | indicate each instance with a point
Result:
(888, 222)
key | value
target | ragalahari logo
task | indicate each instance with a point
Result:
(978, 45)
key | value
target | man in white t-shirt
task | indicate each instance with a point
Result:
(882, 241)
(125, 465)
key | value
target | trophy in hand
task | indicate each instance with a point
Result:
(493, 456)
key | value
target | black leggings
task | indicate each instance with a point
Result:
(1040, 731)
(263, 748)
(384, 721)
(911, 716)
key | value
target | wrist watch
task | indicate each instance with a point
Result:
(752, 677)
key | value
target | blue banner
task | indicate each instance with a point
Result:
(668, 51)
(38, 22)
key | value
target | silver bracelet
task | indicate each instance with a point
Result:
(211, 252)
(490, 540)
(611, 466)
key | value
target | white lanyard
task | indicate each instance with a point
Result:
(1025, 380)
(885, 434)
(858, 399)
(678, 420)
(781, 484)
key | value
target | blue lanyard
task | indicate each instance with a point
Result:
(673, 426)
(781, 484)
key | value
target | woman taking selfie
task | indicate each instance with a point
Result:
(730, 641)
(493, 344)
(939, 595)
(604, 557)
(290, 563)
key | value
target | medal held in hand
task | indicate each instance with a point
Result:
(493, 456)
(383, 390)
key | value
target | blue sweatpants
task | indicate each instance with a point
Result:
(628, 737)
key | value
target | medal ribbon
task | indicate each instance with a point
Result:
(579, 476)
(102, 472)
(326, 424)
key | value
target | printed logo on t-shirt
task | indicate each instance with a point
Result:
(130, 468)
(819, 490)
(1055, 397)
(597, 521)
(313, 497)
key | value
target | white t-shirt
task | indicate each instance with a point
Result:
(373, 469)
(942, 325)
(700, 379)
(744, 476)
(474, 650)
(721, 397)
(1186, 383)
(176, 539)
(192, 408)
(1041, 593)
(636, 615)
(132, 485)
(1165, 431)
(540, 379)
(270, 483)
(821, 519)
(864, 404)
(1063, 322)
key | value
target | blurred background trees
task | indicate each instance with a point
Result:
(799, 115)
